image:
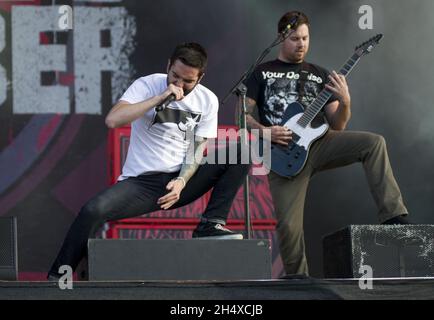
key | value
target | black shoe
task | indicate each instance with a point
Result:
(398, 220)
(215, 231)
(53, 277)
(295, 277)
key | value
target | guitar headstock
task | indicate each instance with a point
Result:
(367, 46)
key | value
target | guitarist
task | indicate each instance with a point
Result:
(271, 88)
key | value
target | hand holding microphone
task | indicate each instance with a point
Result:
(171, 94)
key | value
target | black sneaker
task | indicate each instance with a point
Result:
(215, 231)
(398, 220)
(53, 277)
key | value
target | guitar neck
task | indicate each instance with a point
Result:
(314, 108)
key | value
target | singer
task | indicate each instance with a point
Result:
(155, 175)
(271, 89)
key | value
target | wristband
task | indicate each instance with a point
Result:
(182, 179)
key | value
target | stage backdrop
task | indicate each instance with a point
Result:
(61, 70)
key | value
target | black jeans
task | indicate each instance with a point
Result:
(138, 195)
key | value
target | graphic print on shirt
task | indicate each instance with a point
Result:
(185, 121)
(280, 92)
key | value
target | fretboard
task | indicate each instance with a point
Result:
(314, 108)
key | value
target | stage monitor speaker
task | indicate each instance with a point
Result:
(8, 248)
(390, 250)
(183, 259)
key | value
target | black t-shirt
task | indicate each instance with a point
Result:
(276, 84)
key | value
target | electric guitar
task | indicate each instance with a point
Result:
(289, 160)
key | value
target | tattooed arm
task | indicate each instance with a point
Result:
(279, 134)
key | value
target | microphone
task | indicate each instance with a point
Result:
(290, 25)
(165, 102)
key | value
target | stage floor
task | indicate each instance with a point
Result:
(279, 289)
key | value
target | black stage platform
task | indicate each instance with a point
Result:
(279, 289)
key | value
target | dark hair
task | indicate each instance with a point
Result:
(191, 54)
(283, 22)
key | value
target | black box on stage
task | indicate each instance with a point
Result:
(390, 250)
(183, 259)
(8, 248)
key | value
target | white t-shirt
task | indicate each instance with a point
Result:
(158, 141)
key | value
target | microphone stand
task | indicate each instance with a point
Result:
(240, 90)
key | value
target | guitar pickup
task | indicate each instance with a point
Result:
(295, 137)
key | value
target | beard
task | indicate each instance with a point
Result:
(186, 92)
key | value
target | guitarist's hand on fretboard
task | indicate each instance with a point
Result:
(280, 135)
(339, 87)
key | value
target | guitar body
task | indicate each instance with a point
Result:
(288, 161)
